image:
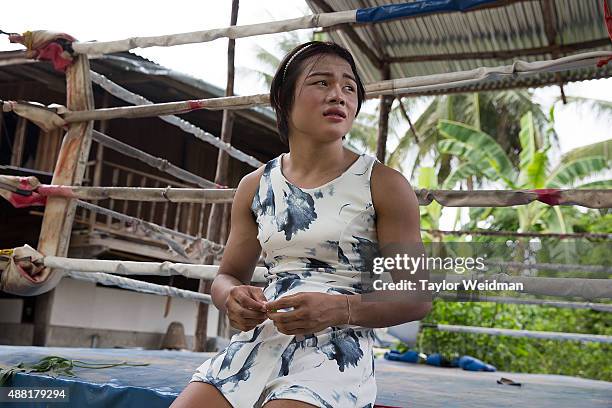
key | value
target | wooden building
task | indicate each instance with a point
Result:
(85, 314)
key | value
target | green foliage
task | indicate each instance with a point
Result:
(54, 366)
(589, 360)
(480, 156)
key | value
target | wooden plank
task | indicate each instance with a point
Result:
(383, 118)
(19, 142)
(140, 249)
(59, 212)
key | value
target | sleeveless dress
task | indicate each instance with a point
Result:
(313, 240)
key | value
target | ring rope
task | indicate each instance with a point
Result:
(532, 334)
(599, 307)
(139, 286)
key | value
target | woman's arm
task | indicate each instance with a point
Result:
(242, 249)
(397, 222)
(398, 228)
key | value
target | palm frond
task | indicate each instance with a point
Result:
(603, 149)
(568, 174)
(479, 141)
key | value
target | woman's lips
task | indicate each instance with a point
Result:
(334, 117)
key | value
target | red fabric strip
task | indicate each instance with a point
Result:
(550, 196)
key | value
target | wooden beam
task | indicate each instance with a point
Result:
(217, 214)
(503, 55)
(550, 28)
(59, 212)
(362, 46)
(19, 142)
(97, 176)
(383, 118)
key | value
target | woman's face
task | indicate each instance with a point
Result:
(325, 99)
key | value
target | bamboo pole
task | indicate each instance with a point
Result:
(168, 108)
(217, 216)
(59, 212)
(170, 194)
(591, 198)
(401, 86)
(321, 20)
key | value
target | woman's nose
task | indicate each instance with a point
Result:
(335, 94)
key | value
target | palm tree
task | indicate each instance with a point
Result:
(496, 113)
(481, 156)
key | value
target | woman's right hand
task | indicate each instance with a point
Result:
(246, 307)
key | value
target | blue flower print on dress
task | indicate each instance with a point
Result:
(309, 340)
(335, 247)
(313, 263)
(287, 281)
(243, 374)
(366, 250)
(267, 205)
(343, 347)
(299, 212)
(236, 346)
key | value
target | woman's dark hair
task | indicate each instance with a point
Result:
(282, 88)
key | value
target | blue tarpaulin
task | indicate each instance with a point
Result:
(417, 8)
(399, 384)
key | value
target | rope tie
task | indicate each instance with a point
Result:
(165, 193)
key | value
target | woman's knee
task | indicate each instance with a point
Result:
(200, 394)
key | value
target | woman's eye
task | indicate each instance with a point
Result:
(350, 88)
(322, 82)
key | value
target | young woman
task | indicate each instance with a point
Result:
(318, 212)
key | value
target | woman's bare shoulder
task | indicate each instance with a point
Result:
(248, 185)
(390, 187)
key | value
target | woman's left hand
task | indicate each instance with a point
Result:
(312, 312)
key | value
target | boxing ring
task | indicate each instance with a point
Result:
(167, 372)
(157, 384)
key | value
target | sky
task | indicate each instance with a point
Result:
(113, 19)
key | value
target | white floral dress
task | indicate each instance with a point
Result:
(314, 240)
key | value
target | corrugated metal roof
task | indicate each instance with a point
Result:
(518, 29)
